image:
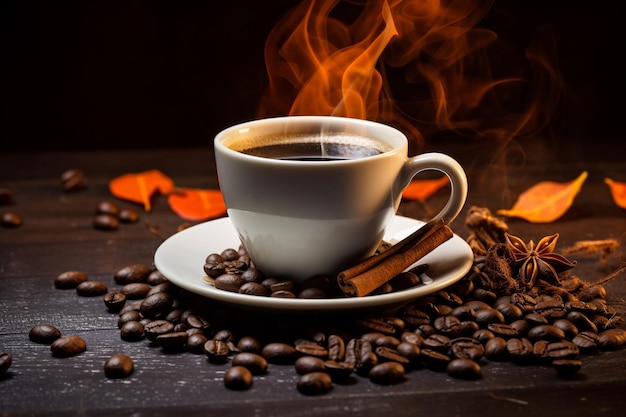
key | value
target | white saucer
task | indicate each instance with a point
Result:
(181, 259)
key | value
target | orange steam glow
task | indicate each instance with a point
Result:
(422, 65)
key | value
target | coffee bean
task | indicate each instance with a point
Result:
(612, 339)
(238, 378)
(196, 342)
(216, 350)
(279, 353)
(132, 273)
(338, 370)
(519, 350)
(387, 373)
(505, 331)
(114, 301)
(67, 346)
(410, 351)
(253, 288)
(91, 289)
(11, 219)
(44, 333)
(312, 293)
(485, 316)
(132, 331)
(157, 327)
(307, 364)
(282, 294)
(467, 348)
(156, 305)
(198, 322)
(360, 354)
(173, 340)
(496, 349)
(229, 282)
(435, 360)
(69, 279)
(464, 369)
(126, 316)
(128, 216)
(106, 222)
(6, 196)
(510, 311)
(73, 180)
(437, 342)
(5, 362)
(314, 383)
(586, 341)
(155, 278)
(255, 363)
(336, 348)
(546, 332)
(118, 366)
(312, 349)
(136, 290)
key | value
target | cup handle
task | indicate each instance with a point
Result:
(447, 165)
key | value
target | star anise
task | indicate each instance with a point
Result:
(539, 261)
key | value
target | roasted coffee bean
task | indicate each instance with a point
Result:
(283, 294)
(519, 350)
(155, 278)
(11, 219)
(463, 368)
(435, 360)
(414, 316)
(156, 305)
(91, 289)
(44, 333)
(359, 353)
(496, 349)
(118, 366)
(225, 335)
(448, 325)
(551, 308)
(172, 340)
(311, 349)
(387, 373)
(132, 273)
(404, 281)
(567, 368)
(437, 342)
(308, 364)
(197, 321)
(312, 293)
(524, 302)
(255, 363)
(611, 339)
(252, 275)
(510, 311)
(279, 353)
(67, 346)
(485, 316)
(5, 362)
(196, 342)
(467, 348)
(483, 335)
(114, 301)
(336, 348)
(464, 312)
(372, 337)
(136, 290)
(535, 319)
(409, 351)
(107, 207)
(387, 354)
(546, 332)
(128, 216)
(314, 383)
(249, 344)
(238, 378)
(73, 179)
(157, 327)
(505, 331)
(229, 254)
(132, 331)
(582, 322)
(216, 350)
(69, 279)
(484, 295)
(540, 351)
(126, 316)
(229, 282)
(386, 341)
(586, 341)
(521, 326)
(253, 288)
(106, 222)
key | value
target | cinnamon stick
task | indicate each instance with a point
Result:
(376, 270)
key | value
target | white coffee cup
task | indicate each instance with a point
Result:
(301, 218)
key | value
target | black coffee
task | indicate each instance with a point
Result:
(314, 148)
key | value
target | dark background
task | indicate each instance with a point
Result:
(134, 74)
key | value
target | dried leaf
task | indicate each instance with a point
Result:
(197, 204)
(546, 201)
(139, 187)
(618, 192)
(422, 189)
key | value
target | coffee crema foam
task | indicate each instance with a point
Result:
(311, 146)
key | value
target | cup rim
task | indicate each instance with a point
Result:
(393, 137)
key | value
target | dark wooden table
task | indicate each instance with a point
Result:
(57, 235)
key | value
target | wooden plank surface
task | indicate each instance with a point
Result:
(57, 235)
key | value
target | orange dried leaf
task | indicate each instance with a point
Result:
(197, 204)
(618, 191)
(546, 201)
(139, 187)
(422, 189)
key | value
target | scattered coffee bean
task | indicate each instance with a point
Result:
(5, 361)
(238, 378)
(132, 331)
(91, 289)
(279, 353)
(11, 219)
(67, 346)
(107, 207)
(128, 216)
(44, 333)
(567, 368)
(69, 279)
(308, 364)
(314, 383)
(114, 301)
(132, 273)
(387, 373)
(118, 366)
(255, 363)
(464, 369)
(73, 180)
(106, 222)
